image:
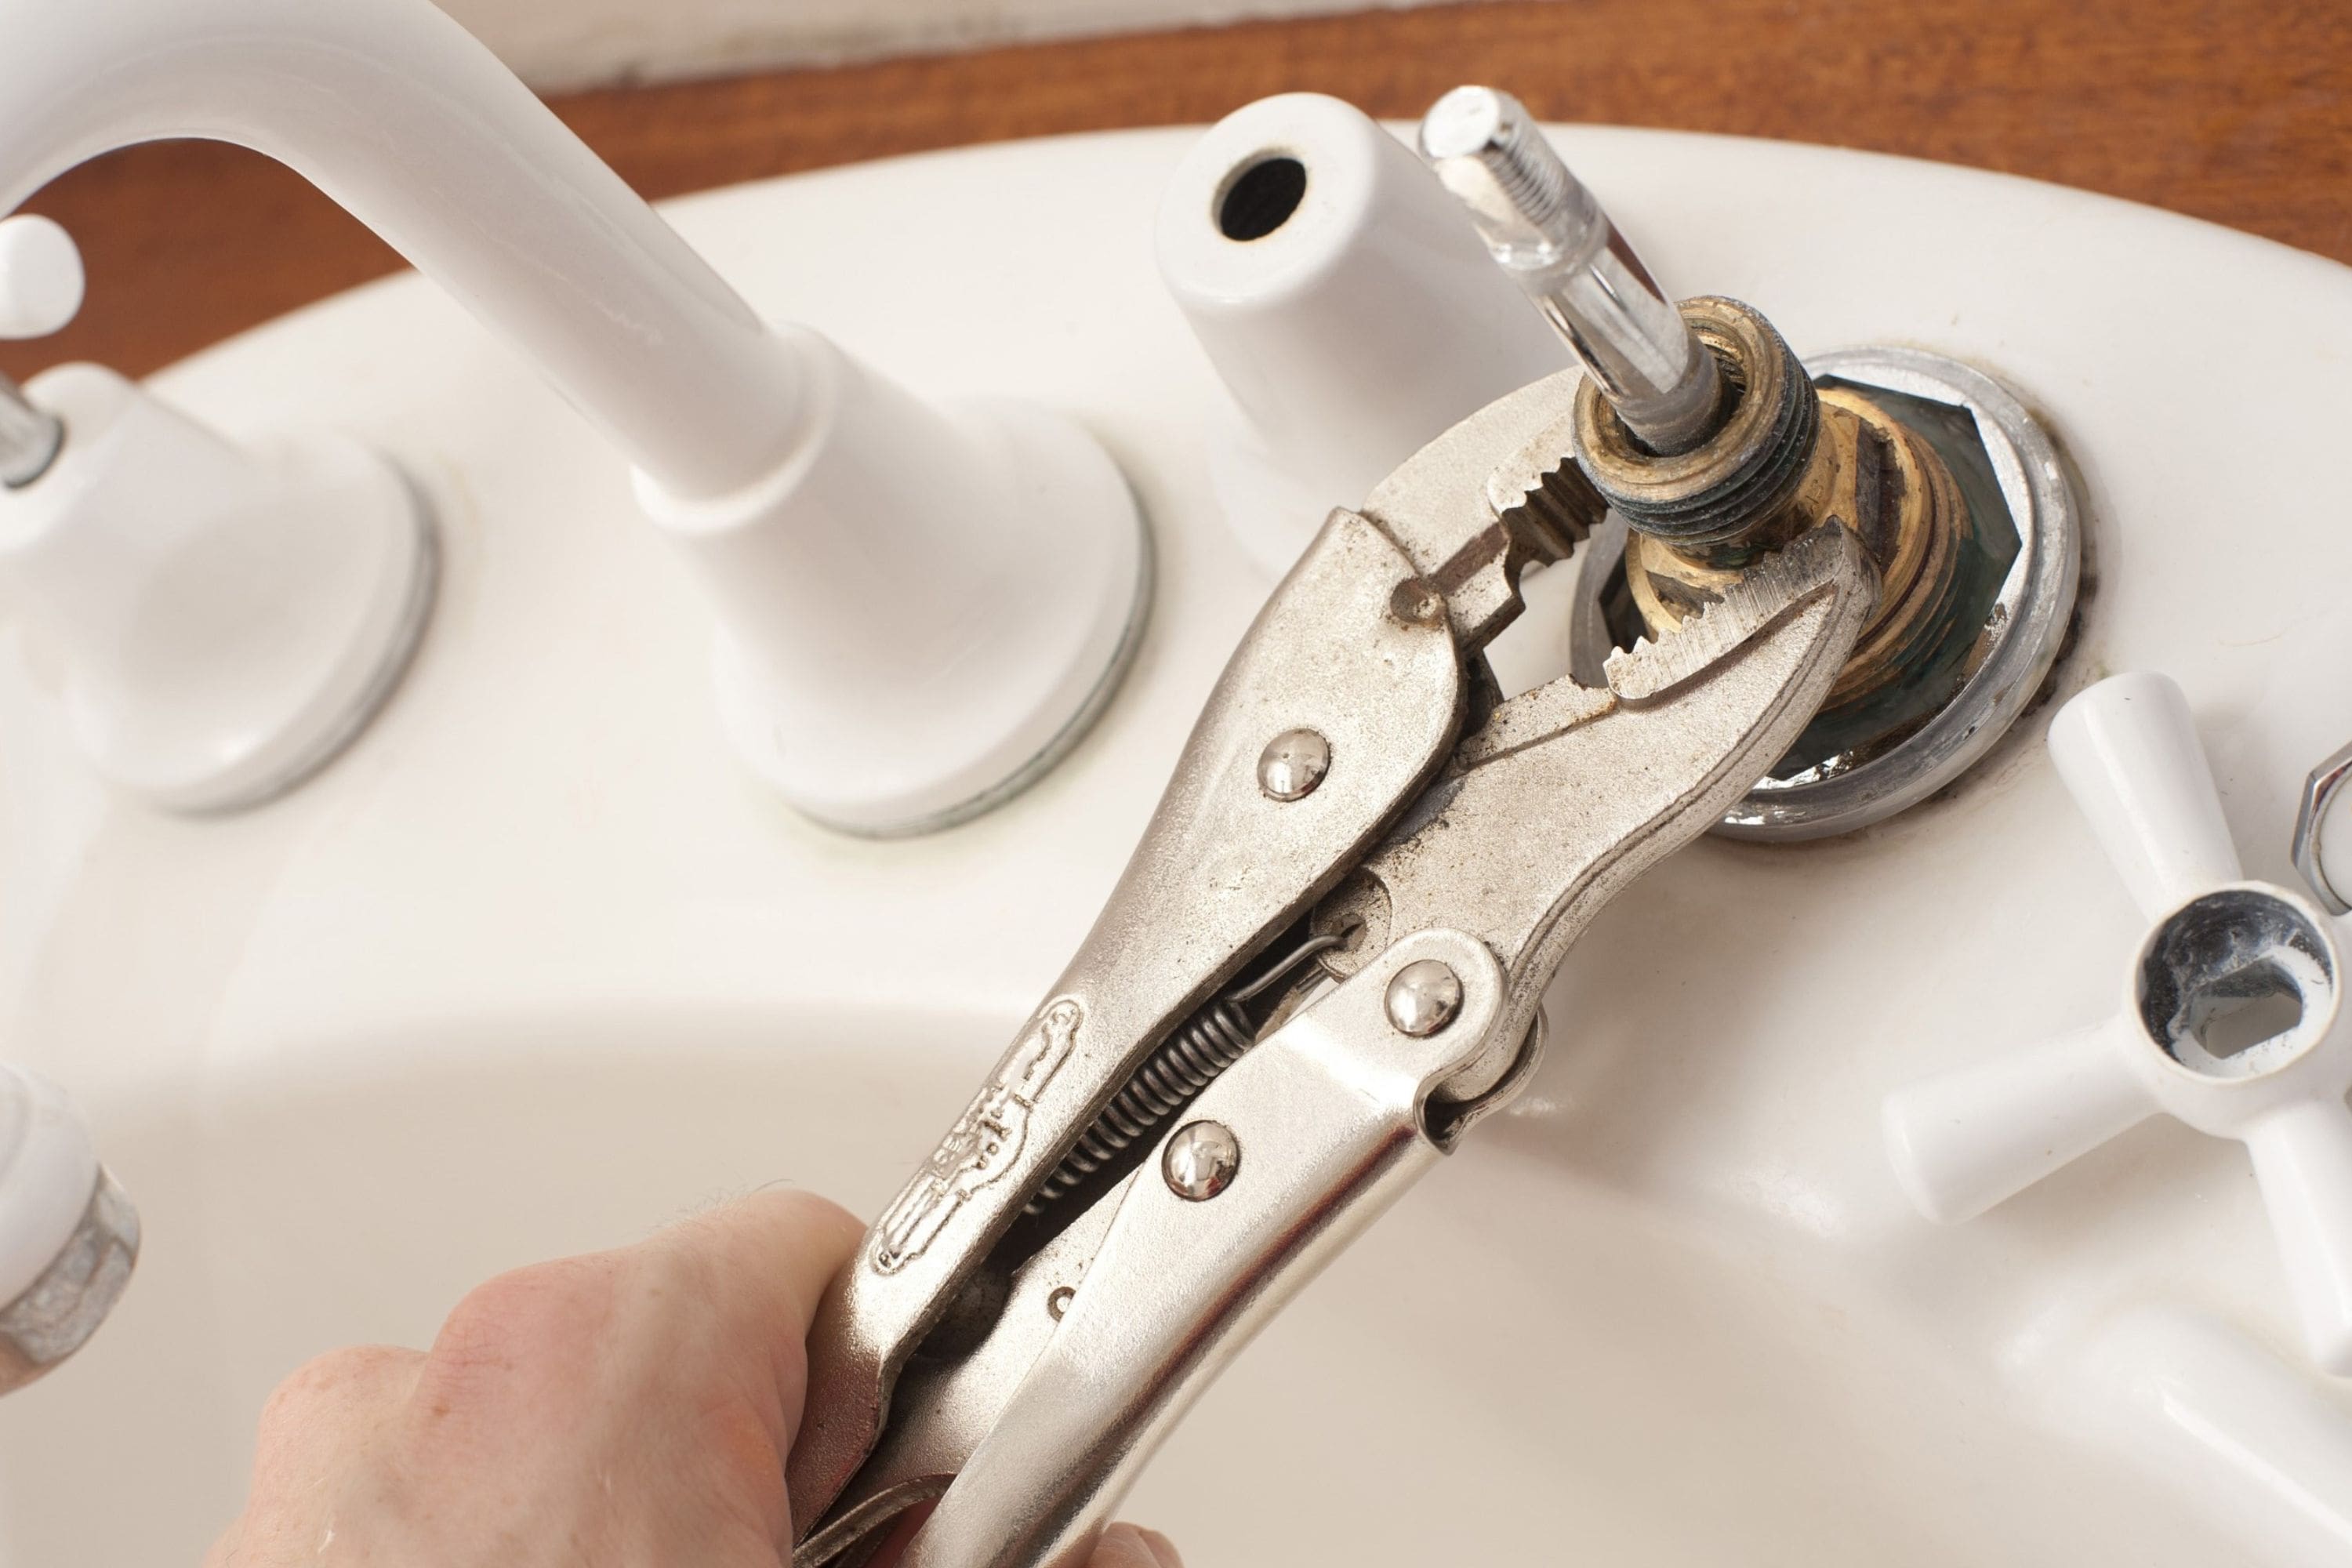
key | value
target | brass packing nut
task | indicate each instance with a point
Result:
(1787, 457)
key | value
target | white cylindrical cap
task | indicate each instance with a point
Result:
(41, 279)
(49, 1169)
(1345, 299)
(2129, 751)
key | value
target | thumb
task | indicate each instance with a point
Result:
(765, 1261)
(1119, 1546)
(1124, 1546)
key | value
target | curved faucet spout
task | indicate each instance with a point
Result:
(403, 118)
(893, 653)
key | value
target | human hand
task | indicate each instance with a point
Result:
(627, 1407)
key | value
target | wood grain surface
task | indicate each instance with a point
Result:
(2239, 113)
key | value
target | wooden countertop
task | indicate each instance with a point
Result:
(2240, 114)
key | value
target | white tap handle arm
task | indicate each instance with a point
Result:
(1963, 1142)
(2129, 752)
(47, 1168)
(2303, 1157)
(398, 113)
(41, 277)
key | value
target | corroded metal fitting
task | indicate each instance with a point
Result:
(1787, 457)
(1738, 493)
(1917, 532)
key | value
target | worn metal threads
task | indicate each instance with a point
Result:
(2025, 529)
(1921, 533)
(1206, 1044)
(1551, 236)
(1202, 1161)
(1495, 129)
(1715, 495)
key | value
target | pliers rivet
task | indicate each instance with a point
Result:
(1423, 997)
(1200, 1160)
(1293, 763)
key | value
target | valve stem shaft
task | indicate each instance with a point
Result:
(1550, 234)
(30, 438)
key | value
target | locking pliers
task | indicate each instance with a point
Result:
(1324, 962)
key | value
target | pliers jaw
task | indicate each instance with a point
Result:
(1056, 1350)
(1353, 645)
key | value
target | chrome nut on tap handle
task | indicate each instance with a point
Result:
(1322, 966)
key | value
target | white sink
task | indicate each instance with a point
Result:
(533, 968)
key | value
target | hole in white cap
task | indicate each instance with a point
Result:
(1261, 197)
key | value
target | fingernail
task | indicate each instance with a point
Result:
(1124, 1546)
(1162, 1549)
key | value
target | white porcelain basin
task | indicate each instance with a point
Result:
(533, 969)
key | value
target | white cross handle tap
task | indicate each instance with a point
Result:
(2228, 1019)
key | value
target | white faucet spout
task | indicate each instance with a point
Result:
(400, 115)
(893, 653)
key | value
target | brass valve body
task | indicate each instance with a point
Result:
(1787, 457)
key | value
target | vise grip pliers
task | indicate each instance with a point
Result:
(1324, 962)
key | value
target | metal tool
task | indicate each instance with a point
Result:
(1701, 428)
(1322, 966)
(1709, 468)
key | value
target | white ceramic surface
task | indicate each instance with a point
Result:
(534, 966)
(894, 651)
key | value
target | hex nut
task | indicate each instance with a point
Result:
(2324, 800)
